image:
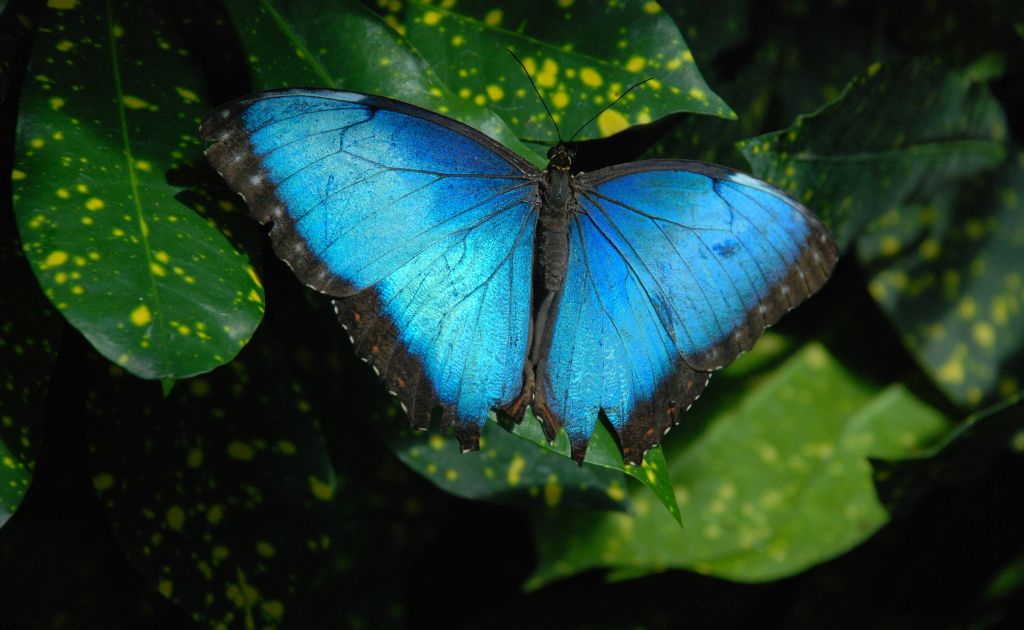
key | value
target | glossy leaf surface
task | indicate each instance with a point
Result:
(849, 164)
(949, 275)
(777, 480)
(155, 287)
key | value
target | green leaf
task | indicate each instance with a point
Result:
(604, 451)
(581, 55)
(846, 162)
(962, 456)
(29, 335)
(152, 285)
(949, 276)
(775, 482)
(293, 43)
(507, 469)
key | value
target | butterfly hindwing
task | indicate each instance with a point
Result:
(422, 229)
(675, 269)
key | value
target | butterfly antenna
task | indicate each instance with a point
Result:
(537, 92)
(609, 106)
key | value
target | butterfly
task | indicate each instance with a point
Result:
(471, 281)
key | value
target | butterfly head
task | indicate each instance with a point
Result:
(560, 156)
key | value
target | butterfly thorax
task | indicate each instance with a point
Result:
(557, 204)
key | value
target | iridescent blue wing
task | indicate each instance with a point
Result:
(421, 227)
(675, 269)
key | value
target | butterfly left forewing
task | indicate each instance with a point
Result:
(421, 227)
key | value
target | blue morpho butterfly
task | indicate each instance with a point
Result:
(473, 282)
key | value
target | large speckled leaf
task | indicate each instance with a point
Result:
(962, 456)
(110, 108)
(581, 55)
(507, 468)
(229, 499)
(29, 334)
(847, 162)
(220, 493)
(777, 481)
(603, 451)
(297, 43)
(950, 276)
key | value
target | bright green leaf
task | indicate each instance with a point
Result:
(949, 275)
(506, 469)
(847, 163)
(152, 285)
(604, 451)
(776, 482)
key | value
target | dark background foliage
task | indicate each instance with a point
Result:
(283, 482)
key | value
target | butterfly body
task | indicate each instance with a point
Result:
(471, 281)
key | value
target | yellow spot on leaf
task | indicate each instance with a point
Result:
(560, 100)
(451, 474)
(984, 334)
(63, 193)
(611, 121)
(431, 18)
(188, 95)
(652, 7)
(37, 143)
(102, 481)
(141, 315)
(134, 102)
(590, 77)
(952, 372)
(548, 75)
(967, 308)
(94, 204)
(616, 492)
(273, 608)
(175, 518)
(515, 470)
(61, 4)
(874, 68)
(64, 45)
(480, 99)
(552, 491)
(56, 103)
(194, 459)
(697, 93)
(265, 549)
(17, 175)
(166, 588)
(495, 93)
(55, 259)
(241, 451)
(890, 245)
(493, 17)
(143, 165)
(458, 40)
(436, 442)
(636, 63)
(320, 490)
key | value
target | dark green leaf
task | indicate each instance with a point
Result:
(581, 55)
(110, 108)
(507, 469)
(604, 451)
(949, 275)
(847, 162)
(777, 481)
(962, 456)
(293, 43)
(29, 335)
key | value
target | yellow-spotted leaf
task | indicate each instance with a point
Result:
(29, 335)
(950, 275)
(109, 109)
(507, 469)
(581, 55)
(777, 480)
(296, 43)
(867, 152)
